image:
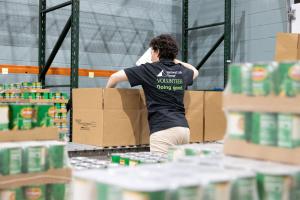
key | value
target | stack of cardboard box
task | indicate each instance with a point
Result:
(118, 117)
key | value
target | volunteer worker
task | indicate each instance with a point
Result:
(164, 81)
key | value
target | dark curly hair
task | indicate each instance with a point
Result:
(166, 45)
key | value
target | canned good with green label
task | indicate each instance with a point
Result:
(239, 125)
(240, 78)
(21, 116)
(115, 158)
(264, 128)
(289, 83)
(45, 115)
(244, 188)
(11, 194)
(288, 130)
(124, 159)
(264, 78)
(10, 159)
(56, 154)
(34, 157)
(274, 187)
(4, 117)
(56, 192)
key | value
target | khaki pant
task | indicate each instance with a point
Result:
(161, 141)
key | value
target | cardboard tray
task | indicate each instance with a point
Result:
(25, 90)
(277, 154)
(41, 134)
(48, 177)
(278, 104)
(33, 100)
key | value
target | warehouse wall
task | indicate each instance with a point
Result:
(255, 24)
(114, 33)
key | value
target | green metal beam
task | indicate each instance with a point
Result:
(42, 38)
(210, 52)
(185, 24)
(206, 26)
(227, 39)
(57, 7)
(55, 49)
(74, 55)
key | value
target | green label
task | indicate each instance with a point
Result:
(108, 192)
(21, 116)
(262, 83)
(36, 159)
(56, 156)
(188, 193)
(268, 128)
(244, 189)
(56, 192)
(15, 162)
(274, 188)
(285, 128)
(45, 115)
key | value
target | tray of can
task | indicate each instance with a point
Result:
(47, 133)
(51, 176)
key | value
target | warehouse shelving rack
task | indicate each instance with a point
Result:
(44, 65)
(73, 24)
(226, 36)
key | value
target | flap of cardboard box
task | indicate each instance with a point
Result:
(121, 98)
(88, 98)
(261, 104)
(51, 176)
(249, 150)
(40, 134)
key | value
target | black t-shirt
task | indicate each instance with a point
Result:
(164, 83)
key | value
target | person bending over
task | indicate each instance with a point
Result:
(164, 82)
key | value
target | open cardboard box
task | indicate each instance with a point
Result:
(48, 177)
(287, 46)
(40, 134)
(277, 104)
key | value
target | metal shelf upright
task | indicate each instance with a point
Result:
(226, 36)
(44, 65)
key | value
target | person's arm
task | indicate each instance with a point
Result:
(116, 78)
(189, 66)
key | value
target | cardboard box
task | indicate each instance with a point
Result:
(194, 105)
(287, 46)
(249, 150)
(39, 134)
(118, 117)
(106, 117)
(40, 178)
(215, 120)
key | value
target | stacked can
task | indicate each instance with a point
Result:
(133, 159)
(265, 128)
(82, 163)
(29, 157)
